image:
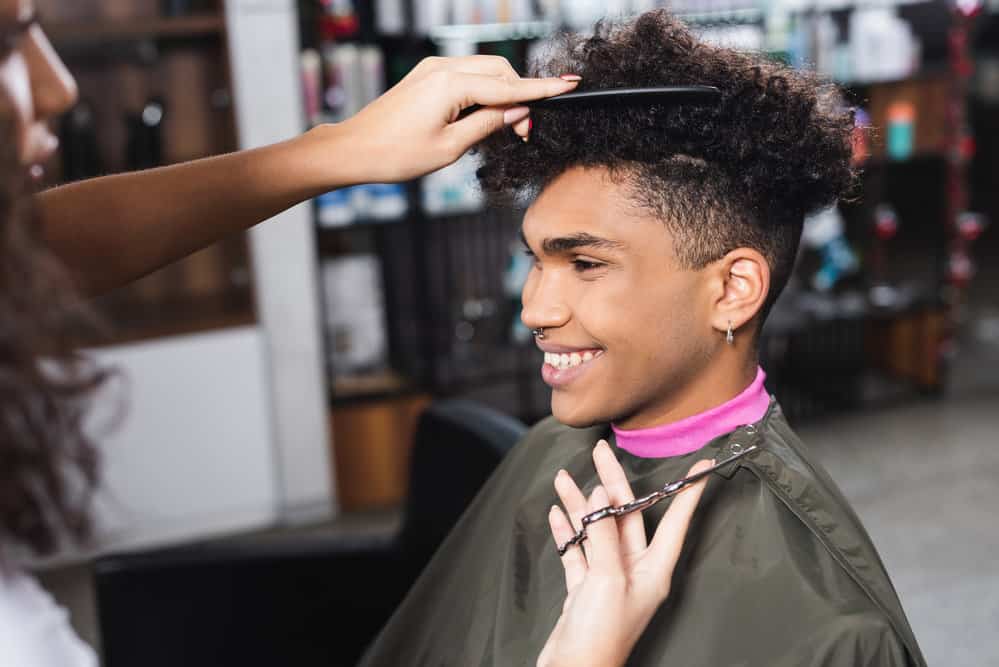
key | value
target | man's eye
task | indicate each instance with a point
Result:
(582, 265)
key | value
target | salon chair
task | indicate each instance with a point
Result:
(297, 600)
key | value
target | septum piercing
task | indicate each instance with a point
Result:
(539, 333)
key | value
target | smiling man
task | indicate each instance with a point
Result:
(661, 236)
(631, 333)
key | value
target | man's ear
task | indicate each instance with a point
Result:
(743, 277)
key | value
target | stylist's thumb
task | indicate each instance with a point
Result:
(502, 101)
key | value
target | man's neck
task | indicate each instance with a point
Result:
(714, 385)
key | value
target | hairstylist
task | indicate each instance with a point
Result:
(109, 231)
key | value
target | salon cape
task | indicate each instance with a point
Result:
(776, 569)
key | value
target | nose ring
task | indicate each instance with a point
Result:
(539, 333)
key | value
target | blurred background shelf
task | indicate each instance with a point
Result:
(491, 32)
(131, 322)
(103, 31)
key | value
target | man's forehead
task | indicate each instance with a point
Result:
(585, 202)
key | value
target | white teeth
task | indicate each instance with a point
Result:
(570, 359)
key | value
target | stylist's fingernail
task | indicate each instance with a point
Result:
(513, 114)
(571, 77)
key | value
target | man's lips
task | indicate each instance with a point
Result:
(564, 363)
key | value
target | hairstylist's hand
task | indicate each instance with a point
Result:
(616, 580)
(414, 129)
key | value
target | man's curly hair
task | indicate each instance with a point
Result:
(740, 173)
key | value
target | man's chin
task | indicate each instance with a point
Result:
(576, 416)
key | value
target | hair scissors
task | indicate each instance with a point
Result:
(645, 502)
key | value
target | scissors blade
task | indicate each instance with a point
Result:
(648, 501)
(690, 479)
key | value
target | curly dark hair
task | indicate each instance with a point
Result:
(742, 173)
(48, 464)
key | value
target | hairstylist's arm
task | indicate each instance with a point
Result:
(617, 579)
(115, 229)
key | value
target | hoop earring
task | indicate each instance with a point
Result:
(539, 333)
(729, 335)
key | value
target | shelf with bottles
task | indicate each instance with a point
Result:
(445, 195)
(858, 44)
(339, 79)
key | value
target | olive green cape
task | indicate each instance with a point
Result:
(776, 570)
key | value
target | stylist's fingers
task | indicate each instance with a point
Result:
(500, 98)
(523, 128)
(604, 554)
(619, 490)
(668, 540)
(477, 64)
(505, 88)
(573, 500)
(573, 560)
(504, 91)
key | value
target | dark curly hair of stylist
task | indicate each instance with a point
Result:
(48, 464)
(742, 173)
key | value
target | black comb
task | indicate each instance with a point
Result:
(662, 95)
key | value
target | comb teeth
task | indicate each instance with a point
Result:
(662, 95)
(666, 95)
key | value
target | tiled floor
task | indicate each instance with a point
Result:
(924, 478)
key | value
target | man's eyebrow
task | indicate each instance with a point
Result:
(563, 244)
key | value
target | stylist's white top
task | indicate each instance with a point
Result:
(34, 630)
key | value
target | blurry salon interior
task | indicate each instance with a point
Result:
(312, 404)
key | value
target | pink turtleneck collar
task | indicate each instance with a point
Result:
(690, 434)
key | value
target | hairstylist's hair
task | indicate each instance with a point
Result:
(48, 465)
(742, 173)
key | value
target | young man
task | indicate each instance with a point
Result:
(661, 237)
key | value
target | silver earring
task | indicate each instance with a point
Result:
(539, 333)
(729, 335)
